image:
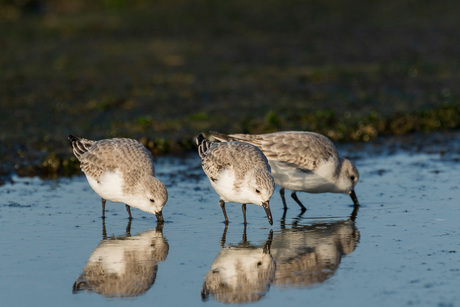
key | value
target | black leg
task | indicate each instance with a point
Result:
(294, 196)
(128, 208)
(283, 199)
(222, 205)
(243, 207)
(103, 208)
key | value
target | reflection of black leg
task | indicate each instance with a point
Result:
(159, 227)
(268, 244)
(283, 219)
(224, 236)
(298, 218)
(243, 207)
(283, 199)
(222, 205)
(103, 208)
(245, 236)
(104, 231)
(128, 208)
(128, 229)
(294, 196)
(354, 214)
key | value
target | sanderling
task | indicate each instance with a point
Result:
(240, 273)
(121, 170)
(310, 253)
(303, 161)
(124, 266)
(238, 172)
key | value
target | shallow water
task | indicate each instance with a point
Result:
(403, 248)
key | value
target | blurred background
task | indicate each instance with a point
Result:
(164, 71)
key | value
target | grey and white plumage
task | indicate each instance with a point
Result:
(240, 273)
(121, 170)
(311, 253)
(238, 172)
(124, 266)
(303, 161)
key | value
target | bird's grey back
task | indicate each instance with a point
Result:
(111, 154)
(305, 149)
(237, 155)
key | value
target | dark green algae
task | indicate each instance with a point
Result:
(60, 161)
(353, 72)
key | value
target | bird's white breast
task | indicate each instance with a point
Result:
(109, 186)
(224, 185)
(290, 177)
(229, 192)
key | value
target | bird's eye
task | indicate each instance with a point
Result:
(257, 191)
(352, 178)
(152, 200)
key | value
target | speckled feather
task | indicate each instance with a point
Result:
(303, 149)
(217, 156)
(98, 157)
(239, 172)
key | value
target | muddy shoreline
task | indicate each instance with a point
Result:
(50, 165)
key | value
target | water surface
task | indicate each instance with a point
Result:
(403, 248)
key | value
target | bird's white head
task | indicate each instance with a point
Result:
(348, 177)
(259, 189)
(153, 197)
(260, 186)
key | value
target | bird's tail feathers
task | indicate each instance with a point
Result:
(203, 145)
(230, 137)
(79, 145)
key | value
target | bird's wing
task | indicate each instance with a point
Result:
(220, 156)
(110, 154)
(303, 149)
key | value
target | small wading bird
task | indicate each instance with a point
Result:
(121, 170)
(238, 172)
(303, 161)
(124, 266)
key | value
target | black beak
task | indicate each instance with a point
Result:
(353, 197)
(159, 216)
(267, 210)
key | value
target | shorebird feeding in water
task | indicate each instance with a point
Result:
(238, 172)
(303, 161)
(121, 170)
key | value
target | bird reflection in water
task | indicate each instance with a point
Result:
(124, 266)
(241, 273)
(309, 254)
